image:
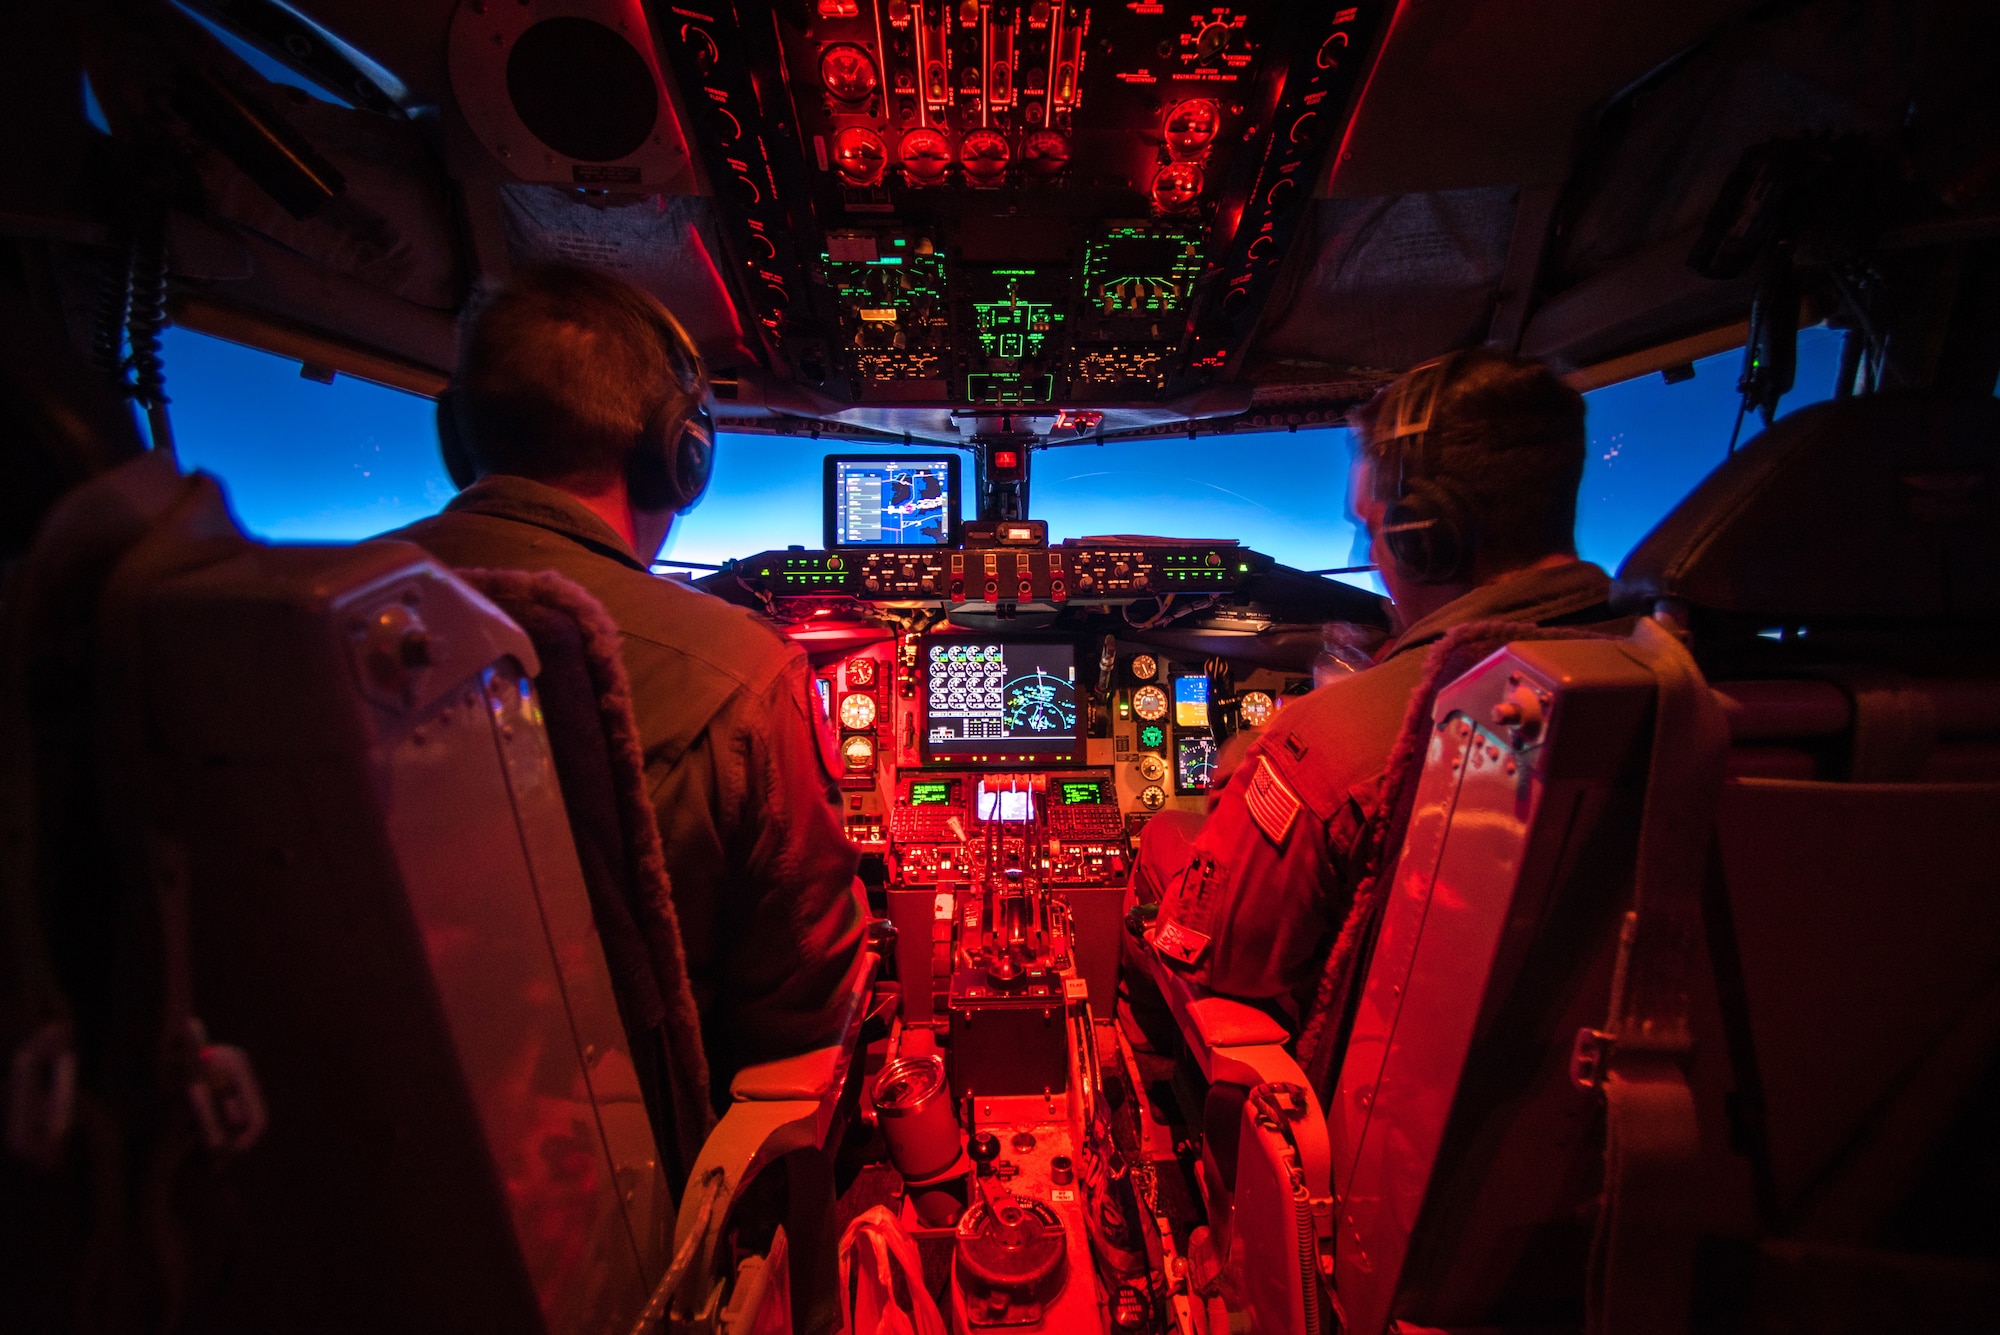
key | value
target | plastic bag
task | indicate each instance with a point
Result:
(873, 1252)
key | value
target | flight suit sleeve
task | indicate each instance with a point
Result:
(800, 913)
(1265, 886)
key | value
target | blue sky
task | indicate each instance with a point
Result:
(306, 462)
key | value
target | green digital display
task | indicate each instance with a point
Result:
(982, 387)
(1152, 737)
(1082, 793)
(925, 793)
(1141, 270)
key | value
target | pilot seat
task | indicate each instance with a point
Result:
(322, 1022)
(1676, 1004)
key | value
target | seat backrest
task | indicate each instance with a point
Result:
(1840, 580)
(586, 702)
(331, 764)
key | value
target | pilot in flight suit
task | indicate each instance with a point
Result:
(1466, 475)
(561, 371)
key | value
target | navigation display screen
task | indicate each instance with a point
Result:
(1080, 793)
(891, 500)
(1194, 762)
(1190, 702)
(1000, 701)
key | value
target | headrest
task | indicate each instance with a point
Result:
(1884, 507)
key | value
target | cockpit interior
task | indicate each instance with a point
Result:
(337, 990)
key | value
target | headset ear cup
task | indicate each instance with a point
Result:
(458, 463)
(694, 460)
(1427, 532)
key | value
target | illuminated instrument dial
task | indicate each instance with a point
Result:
(847, 71)
(1177, 186)
(926, 156)
(857, 712)
(857, 754)
(1152, 769)
(1150, 703)
(1145, 667)
(860, 672)
(984, 154)
(1257, 708)
(859, 155)
(1152, 737)
(1191, 126)
(1045, 153)
(1153, 798)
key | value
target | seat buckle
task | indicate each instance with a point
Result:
(1588, 1056)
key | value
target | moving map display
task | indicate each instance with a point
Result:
(1000, 701)
(891, 501)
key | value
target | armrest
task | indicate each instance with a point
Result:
(777, 1108)
(1231, 1040)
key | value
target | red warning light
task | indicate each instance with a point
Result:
(1006, 460)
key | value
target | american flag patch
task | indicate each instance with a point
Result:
(1272, 805)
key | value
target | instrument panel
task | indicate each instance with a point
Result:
(1108, 574)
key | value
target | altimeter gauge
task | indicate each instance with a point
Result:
(1150, 703)
(1256, 708)
(857, 712)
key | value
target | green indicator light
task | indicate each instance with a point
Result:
(901, 242)
(1152, 736)
(1244, 566)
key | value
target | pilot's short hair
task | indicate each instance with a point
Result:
(560, 369)
(1507, 435)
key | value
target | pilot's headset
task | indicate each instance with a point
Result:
(1427, 525)
(675, 457)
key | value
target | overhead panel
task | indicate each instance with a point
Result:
(1016, 203)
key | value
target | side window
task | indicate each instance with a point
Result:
(302, 461)
(1651, 441)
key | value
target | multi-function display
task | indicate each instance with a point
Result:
(1000, 701)
(891, 500)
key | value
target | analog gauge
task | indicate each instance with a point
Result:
(1045, 153)
(857, 754)
(1145, 667)
(860, 672)
(847, 71)
(1150, 703)
(1153, 798)
(1152, 769)
(1176, 187)
(859, 155)
(1191, 126)
(1256, 708)
(926, 155)
(857, 712)
(984, 154)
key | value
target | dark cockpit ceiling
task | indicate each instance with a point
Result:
(886, 216)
